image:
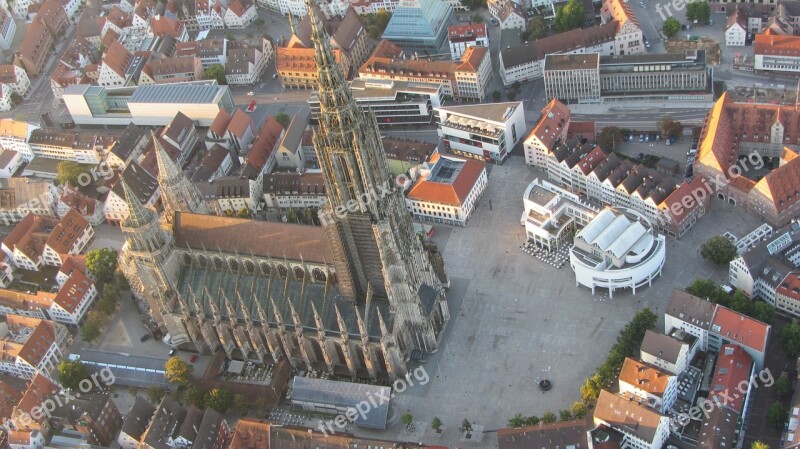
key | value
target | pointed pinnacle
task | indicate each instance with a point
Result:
(137, 214)
(168, 171)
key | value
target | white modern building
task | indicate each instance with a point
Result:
(486, 132)
(14, 135)
(777, 53)
(152, 105)
(552, 214)
(617, 249)
(463, 36)
(448, 191)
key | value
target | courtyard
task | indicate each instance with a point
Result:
(516, 320)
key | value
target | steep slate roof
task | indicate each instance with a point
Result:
(662, 346)
(690, 308)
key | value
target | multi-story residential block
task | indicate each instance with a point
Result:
(32, 346)
(777, 53)
(90, 208)
(690, 314)
(14, 136)
(736, 29)
(142, 184)
(22, 196)
(8, 28)
(119, 67)
(246, 65)
(729, 327)
(36, 45)
(54, 144)
(6, 99)
(210, 51)
(612, 418)
(628, 36)
(52, 13)
(210, 15)
(216, 163)
(657, 387)
(162, 26)
(463, 36)
(180, 69)
(240, 14)
(95, 416)
(487, 131)
(135, 423)
(283, 191)
(671, 353)
(38, 241)
(231, 195)
(509, 14)
(181, 134)
(734, 368)
(552, 127)
(419, 26)
(10, 162)
(572, 77)
(449, 191)
(734, 129)
(290, 153)
(467, 78)
(16, 78)
(394, 103)
(128, 147)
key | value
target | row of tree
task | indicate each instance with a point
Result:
(759, 310)
(102, 263)
(577, 411)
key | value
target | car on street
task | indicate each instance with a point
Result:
(250, 94)
(144, 337)
(646, 43)
(274, 76)
(193, 358)
(647, 138)
(171, 352)
(641, 137)
(630, 138)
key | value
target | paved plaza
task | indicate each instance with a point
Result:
(516, 320)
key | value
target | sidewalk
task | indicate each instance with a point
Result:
(601, 109)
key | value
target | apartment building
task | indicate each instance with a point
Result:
(613, 414)
(32, 346)
(462, 37)
(656, 386)
(283, 191)
(38, 241)
(240, 14)
(777, 53)
(36, 45)
(77, 147)
(572, 77)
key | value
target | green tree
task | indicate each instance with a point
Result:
(609, 138)
(219, 399)
(68, 172)
(466, 426)
(578, 410)
(194, 395)
(102, 263)
(156, 393)
(517, 421)
(776, 415)
(240, 403)
(215, 72)
(71, 373)
(90, 329)
(108, 300)
(177, 371)
(243, 213)
(549, 418)
(436, 424)
(536, 29)
(669, 127)
(707, 289)
(718, 249)
(790, 340)
(477, 18)
(698, 10)
(120, 281)
(376, 24)
(258, 22)
(759, 445)
(532, 420)
(15, 98)
(570, 16)
(565, 415)
(406, 419)
(761, 311)
(283, 119)
(783, 386)
(671, 27)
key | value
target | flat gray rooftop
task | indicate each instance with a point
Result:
(345, 394)
(176, 93)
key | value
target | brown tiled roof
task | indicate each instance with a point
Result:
(472, 58)
(117, 58)
(690, 308)
(565, 434)
(718, 429)
(737, 17)
(39, 341)
(88, 26)
(167, 66)
(458, 33)
(559, 43)
(67, 232)
(645, 377)
(166, 26)
(39, 389)
(264, 144)
(119, 17)
(32, 41)
(259, 238)
(299, 59)
(239, 7)
(220, 124)
(239, 123)
(620, 11)
(619, 412)
(555, 118)
(454, 193)
(774, 45)
(8, 74)
(73, 198)
(295, 183)
(407, 150)
(73, 291)
(347, 32)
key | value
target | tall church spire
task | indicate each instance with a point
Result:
(178, 193)
(138, 215)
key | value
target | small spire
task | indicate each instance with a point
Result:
(138, 215)
(169, 173)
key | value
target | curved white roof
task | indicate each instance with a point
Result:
(623, 244)
(612, 232)
(596, 226)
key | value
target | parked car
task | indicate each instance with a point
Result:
(630, 138)
(193, 358)
(144, 337)
(658, 136)
(641, 137)
(647, 138)
(171, 352)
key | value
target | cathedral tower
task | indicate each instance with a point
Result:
(369, 229)
(178, 193)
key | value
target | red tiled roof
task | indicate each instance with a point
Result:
(457, 33)
(239, 123)
(733, 367)
(555, 118)
(239, 7)
(168, 26)
(117, 58)
(39, 389)
(264, 143)
(737, 17)
(73, 291)
(220, 124)
(39, 341)
(774, 45)
(454, 193)
(645, 377)
(472, 58)
(67, 232)
(677, 197)
(741, 329)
